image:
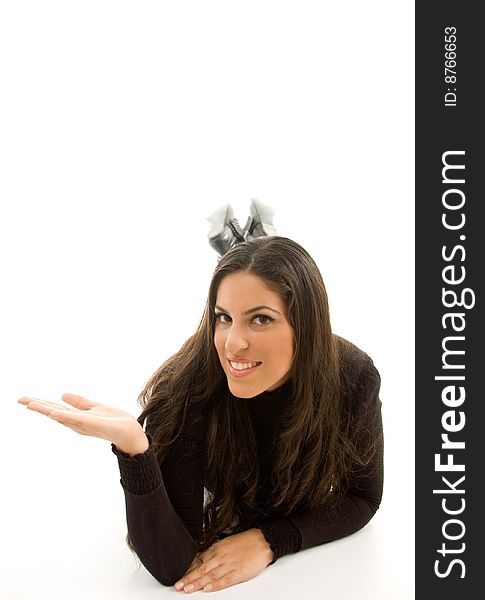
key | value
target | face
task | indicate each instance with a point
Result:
(253, 339)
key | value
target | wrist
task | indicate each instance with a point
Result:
(136, 445)
(264, 545)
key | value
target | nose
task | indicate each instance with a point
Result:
(236, 340)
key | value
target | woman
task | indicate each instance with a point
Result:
(263, 432)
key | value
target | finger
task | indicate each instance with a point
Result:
(206, 580)
(76, 401)
(45, 403)
(77, 423)
(64, 415)
(79, 401)
(198, 560)
(27, 399)
(197, 569)
(82, 423)
(45, 409)
(204, 557)
(230, 578)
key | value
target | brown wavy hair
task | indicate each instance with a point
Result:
(316, 436)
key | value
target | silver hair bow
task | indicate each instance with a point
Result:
(226, 232)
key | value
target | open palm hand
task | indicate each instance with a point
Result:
(90, 418)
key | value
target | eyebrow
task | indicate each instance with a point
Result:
(251, 310)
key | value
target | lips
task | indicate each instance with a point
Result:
(245, 372)
(241, 360)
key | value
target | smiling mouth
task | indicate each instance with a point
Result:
(243, 364)
(242, 369)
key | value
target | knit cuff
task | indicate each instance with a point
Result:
(282, 536)
(140, 474)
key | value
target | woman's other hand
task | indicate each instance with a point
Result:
(94, 419)
(232, 560)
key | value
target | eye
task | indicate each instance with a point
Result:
(264, 320)
(220, 316)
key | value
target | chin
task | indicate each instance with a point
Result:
(242, 391)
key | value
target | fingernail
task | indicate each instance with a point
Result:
(208, 587)
(189, 588)
(179, 585)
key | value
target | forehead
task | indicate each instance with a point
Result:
(242, 291)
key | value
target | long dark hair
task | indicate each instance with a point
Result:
(315, 444)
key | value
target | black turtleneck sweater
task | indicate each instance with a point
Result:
(164, 502)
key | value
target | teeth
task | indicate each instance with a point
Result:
(242, 366)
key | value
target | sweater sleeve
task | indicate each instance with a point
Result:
(314, 527)
(164, 505)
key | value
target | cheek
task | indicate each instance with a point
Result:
(288, 349)
(219, 341)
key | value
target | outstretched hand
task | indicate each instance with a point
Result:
(94, 419)
(232, 560)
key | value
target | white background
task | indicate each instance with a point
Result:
(123, 126)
